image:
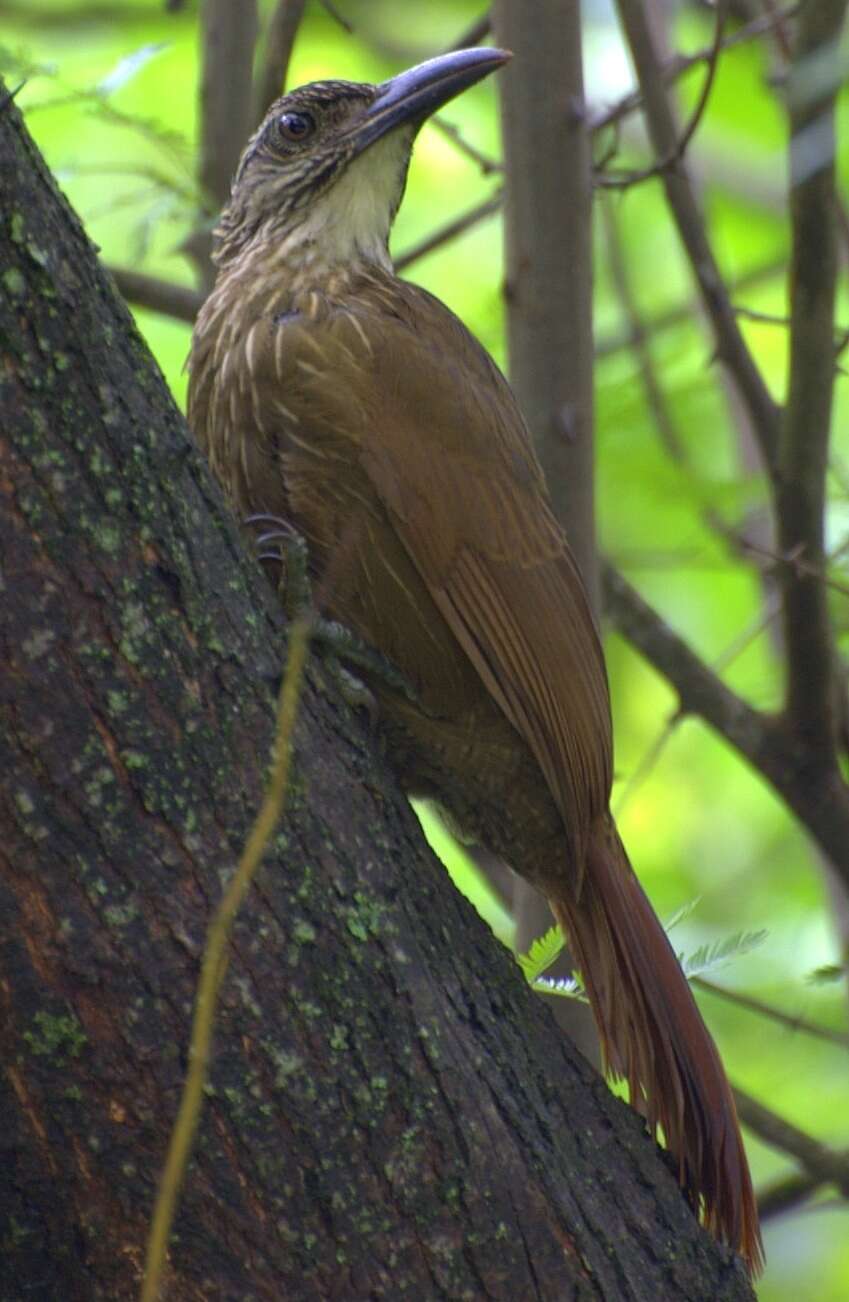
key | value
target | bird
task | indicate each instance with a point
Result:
(357, 408)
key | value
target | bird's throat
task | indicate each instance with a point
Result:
(347, 225)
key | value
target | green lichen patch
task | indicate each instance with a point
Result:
(56, 1036)
(366, 917)
(14, 283)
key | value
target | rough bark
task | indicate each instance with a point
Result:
(390, 1112)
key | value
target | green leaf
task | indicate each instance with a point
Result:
(683, 912)
(709, 956)
(128, 67)
(541, 954)
(827, 974)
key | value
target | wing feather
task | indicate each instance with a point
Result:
(439, 441)
(481, 532)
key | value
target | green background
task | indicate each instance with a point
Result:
(111, 98)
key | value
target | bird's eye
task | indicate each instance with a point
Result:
(295, 126)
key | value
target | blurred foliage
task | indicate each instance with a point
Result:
(111, 98)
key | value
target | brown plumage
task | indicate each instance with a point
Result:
(329, 393)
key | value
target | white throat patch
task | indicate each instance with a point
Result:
(351, 221)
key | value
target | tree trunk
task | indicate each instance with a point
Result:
(390, 1111)
(548, 292)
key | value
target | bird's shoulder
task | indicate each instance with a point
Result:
(385, 365)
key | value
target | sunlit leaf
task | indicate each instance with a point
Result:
(128, 67)
(541, 954)
(721, 951)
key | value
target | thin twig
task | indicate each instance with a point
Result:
(655, 749)
(486, 164)
(678, 150)
(797, 562)
(674, 69)
(821, 805)
(337, 17)
(683, 313)
(214, 963)
(731, 347)
(774, 1014)
(655, 397)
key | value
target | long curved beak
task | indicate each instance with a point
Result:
(413, 95)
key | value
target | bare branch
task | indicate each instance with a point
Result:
(774, 1014)
(821, 802)
(279, 41)
(803, 454)
(548, 290)
(817, 1159)
(157, 295)
(337, 17)
(638, 336)
(730, 345)
(619, 182)
(700, 690)
(674, 69)
(486, 164)
(683, 312)
(786, 1195)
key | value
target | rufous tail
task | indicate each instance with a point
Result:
(652, 1034)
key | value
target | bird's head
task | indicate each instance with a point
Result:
(325, 171)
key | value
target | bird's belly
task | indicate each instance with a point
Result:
(482, 774)
(453, 744)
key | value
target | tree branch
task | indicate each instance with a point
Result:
(822, 804)
(786, 1195)
(683, 312)
(473, 34)
(548, 254)
(679, 149)
(730, 345)
(803, 454)
(700, 691)
(179, 301)
(548, 292)
(762, 1009)
(675, 69)
(817, 1159)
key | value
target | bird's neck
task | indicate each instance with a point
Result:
(346, 226)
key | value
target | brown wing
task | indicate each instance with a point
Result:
(440, 441)
(451, 460)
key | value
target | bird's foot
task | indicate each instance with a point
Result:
(281, 545)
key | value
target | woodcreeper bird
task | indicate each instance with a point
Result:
(333, 395)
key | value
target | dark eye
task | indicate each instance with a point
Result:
(295, 126)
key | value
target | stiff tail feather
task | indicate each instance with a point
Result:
(652, 1034)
